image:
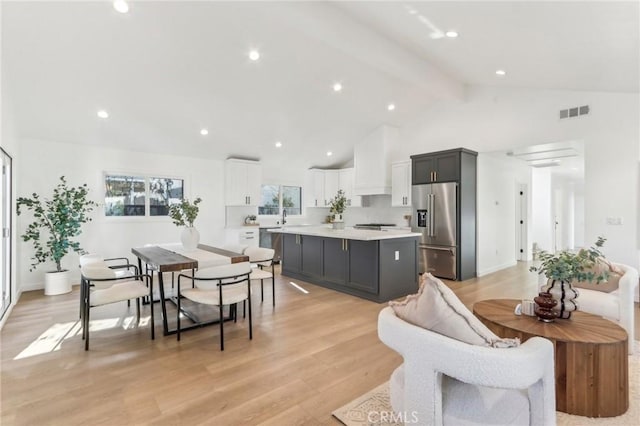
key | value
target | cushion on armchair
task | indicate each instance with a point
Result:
(435, 307)
(602, 265)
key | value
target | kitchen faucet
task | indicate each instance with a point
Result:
(284, 216)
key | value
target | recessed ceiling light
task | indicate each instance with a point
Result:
(337, 87)
(121, 6)
(278, 144)
(451, 34)
(103, 114)
(391, 107)
(501, 73)
(329, 153)
(204, 132)
(254, 55)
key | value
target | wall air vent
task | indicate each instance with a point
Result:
(574, 112)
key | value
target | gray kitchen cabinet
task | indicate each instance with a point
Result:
(311, 262)
(378, 270)
(362, 255)
(349, 263)
(291, 253)
(335, 261)
(301, 254)
(443, 166)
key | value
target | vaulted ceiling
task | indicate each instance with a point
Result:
(166, 70)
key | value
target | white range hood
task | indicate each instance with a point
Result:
(372, 161)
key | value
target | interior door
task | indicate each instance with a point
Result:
(5, 246)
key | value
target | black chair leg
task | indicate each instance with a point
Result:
(273, 289)
(262, 290)
(244, 309)
(222, 327)
(153, 328)
(138, 310)
(250, 324)
(86, 326)
(178, 312)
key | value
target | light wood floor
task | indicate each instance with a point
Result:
(310, 355)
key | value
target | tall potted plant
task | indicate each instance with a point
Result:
(564, 267)
(337, 206)
(61, 218)
(184, 214)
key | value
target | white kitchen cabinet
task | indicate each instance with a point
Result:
(331, 185)
(315, 188)
(242, 182)
(249, 236)
(346, 184)
(401, 184)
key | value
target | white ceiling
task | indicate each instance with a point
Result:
(167, 69)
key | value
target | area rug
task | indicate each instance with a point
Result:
(374, 408)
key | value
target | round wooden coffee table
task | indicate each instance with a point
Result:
(591, 360)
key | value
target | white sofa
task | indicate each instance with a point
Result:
(447, 382)
(617, 305)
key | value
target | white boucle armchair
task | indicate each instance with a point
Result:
(617, 305)
(445, 381)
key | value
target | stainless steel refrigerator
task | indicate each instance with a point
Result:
(434, 216)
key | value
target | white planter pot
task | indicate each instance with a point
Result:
(338, 221)
(190, 237)
(57, 283)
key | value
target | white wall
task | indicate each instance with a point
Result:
(48, 160)
(493, 119)
(498, 179)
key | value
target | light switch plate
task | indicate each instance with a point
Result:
(397, 255)
(614, 220)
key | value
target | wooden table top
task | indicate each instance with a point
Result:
(581, 328)
(163, 260)
(235, 257)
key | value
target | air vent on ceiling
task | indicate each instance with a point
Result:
(574, 112)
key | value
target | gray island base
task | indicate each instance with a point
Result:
(375, 265)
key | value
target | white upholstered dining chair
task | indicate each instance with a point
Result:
(220, 286)
(262, 268)
(120, 265)
(101, 286)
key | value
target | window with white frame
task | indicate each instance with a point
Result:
(131, 195)
(276, 198)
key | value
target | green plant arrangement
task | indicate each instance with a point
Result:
(568, 266)
(338, 203)
(61, 216)
(185, 212)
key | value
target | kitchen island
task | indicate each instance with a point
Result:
(375, 265)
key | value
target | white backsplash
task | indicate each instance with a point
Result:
(235, 215)
(376, 209)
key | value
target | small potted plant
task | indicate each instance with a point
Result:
(61, 218)
(564, 267)
(337, 206)
(184, 214)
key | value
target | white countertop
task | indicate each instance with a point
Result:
(348, 233)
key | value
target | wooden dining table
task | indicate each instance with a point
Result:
(172, 258)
